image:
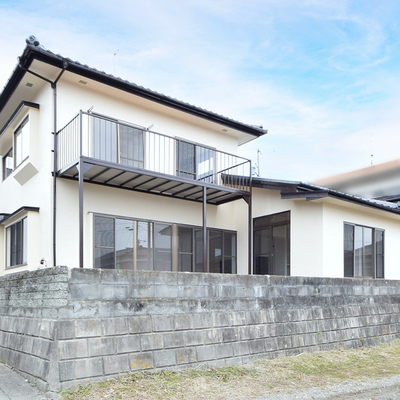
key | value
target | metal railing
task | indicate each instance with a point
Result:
(110, 140)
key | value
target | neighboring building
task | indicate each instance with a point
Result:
(133, 179)
(379, 180)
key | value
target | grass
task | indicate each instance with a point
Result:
(255, 379)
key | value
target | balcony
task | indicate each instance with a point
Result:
(123, 155)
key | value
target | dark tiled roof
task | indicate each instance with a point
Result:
(298, 189)
(39, 52)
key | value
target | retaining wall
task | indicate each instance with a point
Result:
(60, 327)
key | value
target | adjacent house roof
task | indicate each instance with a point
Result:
(300, 190)
(37, 52)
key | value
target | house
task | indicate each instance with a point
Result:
(375, 181)
(306, 230)
(97, 172)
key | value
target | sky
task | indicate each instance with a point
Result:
(322, 76)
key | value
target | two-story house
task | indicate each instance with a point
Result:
(100, 172)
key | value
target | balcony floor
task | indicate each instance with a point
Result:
(141, 180)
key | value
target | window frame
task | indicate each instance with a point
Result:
(270, 224)
(8, 171)
(175, 253)
(350, 255)
(103, 126)
(24, 146)
(17, 239)
(201, 156)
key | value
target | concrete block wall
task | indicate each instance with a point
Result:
(118, 321)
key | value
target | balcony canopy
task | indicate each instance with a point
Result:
(121, 155)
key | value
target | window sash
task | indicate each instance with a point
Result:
(8, 164)
(363, 251)
(121, 243)
(16, 240)
(21, 143)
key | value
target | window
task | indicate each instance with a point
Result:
(117, 143)
(8, 164)
(272, 244)
(194, 162)
(144, 245)
(16, 236)
(21, 143)
(363, 251)
(222, 258)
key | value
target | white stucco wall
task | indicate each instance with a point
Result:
(317, 232)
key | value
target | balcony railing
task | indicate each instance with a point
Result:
(128, 145)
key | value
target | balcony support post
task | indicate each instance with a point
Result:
(205, 229)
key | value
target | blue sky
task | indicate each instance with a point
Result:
(321, 76)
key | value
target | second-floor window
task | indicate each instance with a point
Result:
(194, 162)
(21, 143)
(117, 143)
(8, 164)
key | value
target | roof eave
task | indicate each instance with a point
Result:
(32, 52)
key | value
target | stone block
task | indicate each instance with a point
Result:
(164, 358)
(88, 328)
(116, 364)
(41, 347)
(141, 291)
(84, 292)
(194, 338)
(115, 326)
(230, 334)
(212, 336)
(240, 348)
(185, 356)
(128, 344)
(71, 349)
(224, 350)
(85, 276)
(65, 329)
(153, 341)
(162, 323)
(174, 339)
(140, 324)
(257, 346)
(183, 322)
(221, 319)
(101, 346)
(141, 361)
(202, 320)
(206, 353)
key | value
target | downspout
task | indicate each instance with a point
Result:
(55, 150)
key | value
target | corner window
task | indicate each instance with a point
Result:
(8, 164)
(272, 244)
(21, 143)
(16, 236)
(363, 251)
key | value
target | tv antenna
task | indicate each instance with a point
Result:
(116, 51)
(256, 168)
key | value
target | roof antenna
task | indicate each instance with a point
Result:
(114, 58)
(256, 168)
(90, 110)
